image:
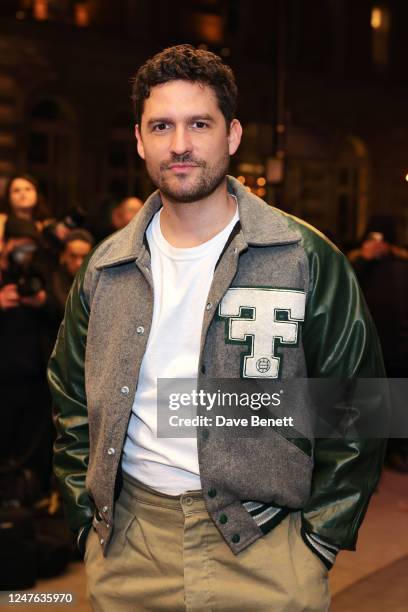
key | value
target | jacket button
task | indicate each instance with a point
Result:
(101, 541)
(125, 390)
(212, 492)
(111, 451)
(140, 329)
(107, 526)
(209, 306)
(236, 538)
(104, 509)
(223, 519)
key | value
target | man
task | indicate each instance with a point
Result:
(76, 247)
(113, 215)
(208, 282)
(124, 211)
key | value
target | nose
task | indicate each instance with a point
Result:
(181, 142)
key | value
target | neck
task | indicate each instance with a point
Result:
(3, 261)
(186, 225)
(24, 214)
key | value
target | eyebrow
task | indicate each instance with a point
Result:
(203, 117)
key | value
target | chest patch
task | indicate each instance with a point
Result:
(261, 318)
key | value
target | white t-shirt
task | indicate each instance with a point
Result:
(181, 281)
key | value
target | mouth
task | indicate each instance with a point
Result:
(181, 167)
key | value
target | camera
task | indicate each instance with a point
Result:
(22, 273)
(55, 233)
(74, 218)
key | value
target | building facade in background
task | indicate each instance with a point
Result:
(323, 99)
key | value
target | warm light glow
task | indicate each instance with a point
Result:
(209, 27)
(406, 177)
(40, 10)
(261, 181)
(261, 192)
(248, 188)
(246, 168)
(81, 15)
(381, 24)
(376, 18)
(241, 179)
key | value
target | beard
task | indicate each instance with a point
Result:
(185, 189)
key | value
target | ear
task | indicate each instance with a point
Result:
(234, 136)
(140, 147)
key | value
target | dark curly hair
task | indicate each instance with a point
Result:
(189, 64)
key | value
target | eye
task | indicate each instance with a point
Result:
(200, 125)
(160, 127)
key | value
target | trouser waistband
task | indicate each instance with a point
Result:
(135, 489)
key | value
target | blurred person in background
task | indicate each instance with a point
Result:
(26, 337)
(23, 200)
(111, 215)
(124, 212)
(77, 245)
(382, 270)
(56, 232)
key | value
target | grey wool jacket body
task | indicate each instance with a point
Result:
(272, 262)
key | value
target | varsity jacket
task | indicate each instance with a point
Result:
(272, 264)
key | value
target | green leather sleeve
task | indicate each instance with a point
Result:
(340, 342)
(67, 385)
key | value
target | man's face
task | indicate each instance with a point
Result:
(124, 213)
(184, 140)
(73, 255)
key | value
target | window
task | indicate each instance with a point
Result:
(51, 151)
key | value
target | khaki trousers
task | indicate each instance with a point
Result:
(167, 555)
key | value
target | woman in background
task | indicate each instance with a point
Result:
(23, 200)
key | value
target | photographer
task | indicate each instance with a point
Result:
(25, 330)
(55, 234)
(382, 270)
